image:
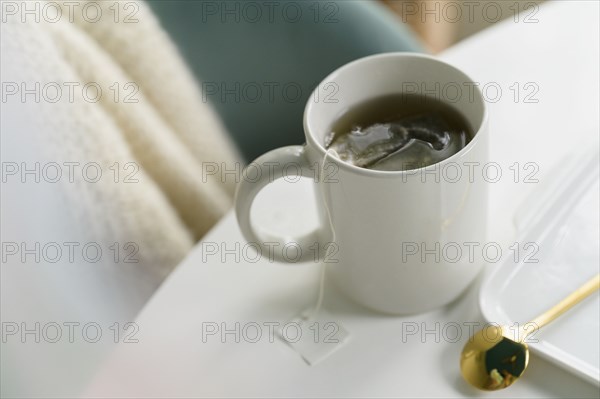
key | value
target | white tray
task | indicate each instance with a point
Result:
(566, 232)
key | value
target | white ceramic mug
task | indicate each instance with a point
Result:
(405, 241)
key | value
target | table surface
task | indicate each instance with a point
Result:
(559, 57)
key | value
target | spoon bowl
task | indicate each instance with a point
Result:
(492, 360)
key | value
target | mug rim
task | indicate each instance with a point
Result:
(312, 140)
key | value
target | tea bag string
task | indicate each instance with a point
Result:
(330, 152)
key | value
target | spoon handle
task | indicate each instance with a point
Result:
(573, 299)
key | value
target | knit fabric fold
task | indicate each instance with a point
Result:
(138, 113)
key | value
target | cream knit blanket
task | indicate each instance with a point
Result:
(150, 124)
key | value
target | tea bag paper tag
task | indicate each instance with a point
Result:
(314, 337)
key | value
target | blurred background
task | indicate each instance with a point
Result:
(440, 24)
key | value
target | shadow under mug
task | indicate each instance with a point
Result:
(404, 241)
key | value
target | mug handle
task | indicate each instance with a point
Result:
(278, 163)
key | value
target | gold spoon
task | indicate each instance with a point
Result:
(496, 356)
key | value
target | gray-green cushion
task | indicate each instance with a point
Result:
(232, 51)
